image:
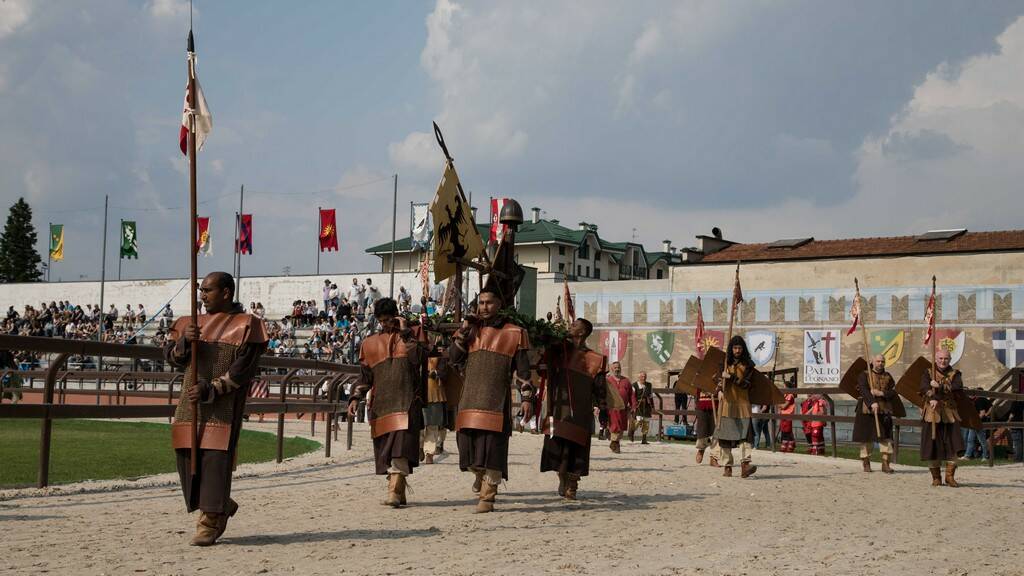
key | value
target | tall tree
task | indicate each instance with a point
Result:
(19, 261)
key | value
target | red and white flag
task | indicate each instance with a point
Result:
(929, 318)
(498, 229)
(854, 314)
(203, 119)
(698, 334)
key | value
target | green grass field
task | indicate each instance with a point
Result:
(101, 450)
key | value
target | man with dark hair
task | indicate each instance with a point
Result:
(493, 356)
(230, 343)
(734, 414)
(391, 363)
(575, 385)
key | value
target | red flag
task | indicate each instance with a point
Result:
(570, 308)
(328, 231)
(243, 244)
(203, 245)
(855, 314)
(498, 229)
(929, 318)
(698, 334)
(737, 292)
(203, 118)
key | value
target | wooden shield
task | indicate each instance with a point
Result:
(849, 382)
(898, 410)
(969, 416)
(684, 384)
(613, 399)
(762, 391)
(909, 384)
(710, 369)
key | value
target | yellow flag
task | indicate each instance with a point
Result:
(456, 234)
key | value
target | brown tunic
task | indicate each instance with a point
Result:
(735, 424)
(575, 385)
(864, 421)
(947, 442)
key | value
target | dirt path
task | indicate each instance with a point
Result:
(649, 510)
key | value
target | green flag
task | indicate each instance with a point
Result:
(129, 241)
(56, 242)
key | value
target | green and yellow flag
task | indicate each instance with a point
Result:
(56, 242)
(129, 241)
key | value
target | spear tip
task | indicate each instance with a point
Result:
(191, 41)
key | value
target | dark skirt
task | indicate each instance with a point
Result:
(705, 424)
(864, 427)
(211, 489)
(399, 444)
(434, 414)
(564, 456)
(948, 443)
(483, 449)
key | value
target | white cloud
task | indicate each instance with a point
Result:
(169, 9)
(13, 14)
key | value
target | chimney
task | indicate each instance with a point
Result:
(474, 214)
(666, 246)
(536, 214)
(583, 226)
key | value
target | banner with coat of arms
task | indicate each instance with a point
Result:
(888, 343)
(712, 339)
(659, 346)
(953, 341)
(1009, 346)
(613, 345)
(761, 344)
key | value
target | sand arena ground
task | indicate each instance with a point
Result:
(649, 510)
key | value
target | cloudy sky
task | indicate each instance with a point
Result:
(767, 119)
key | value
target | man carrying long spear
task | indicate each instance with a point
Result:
(877, 390)
(734, 413)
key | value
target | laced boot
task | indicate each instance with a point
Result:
(572, 484)
(232, 507)
(714, 462)
(429, 458)
(487, 493)
(394, 498)
(206, 529)
(936, 476)
(727, 472)
(478, 482)
(561, 484)
(950, 471)
(867, 464)
(747, 469)
(700, 456)
(615, 447)
(885, 464)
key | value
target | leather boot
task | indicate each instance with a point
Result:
(396, 488)
(206, 529)
(572, 484)
(615, 446)
(714, 462)
(632, 436)
(936, 476)
(700, 456)
(232, 507)
(561, 484)
(644, 439)
(727, 472)
(429, 459)
(885, 464)
(867, 464)
(487, 493)
(747, 469)
(478, 482)
(950, 471)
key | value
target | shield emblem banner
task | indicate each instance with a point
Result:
(888, 343)
(659, 346)
(953, 341)
(712, 339)
(761, 344)
(1009, 346)
(613, 345)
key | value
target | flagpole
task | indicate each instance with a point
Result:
(49, 248)
(234, 255)
(931, 331)
(867, 353)
(394, 225)
(193, 264)
(238, 244)
(120, 253)
(319, 231)
(728, 340)
(103, 281)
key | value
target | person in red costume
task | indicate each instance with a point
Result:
(620, 418)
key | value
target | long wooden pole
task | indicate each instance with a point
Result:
(867, 354)
(931, 329)
(193, 264)
(728, 339)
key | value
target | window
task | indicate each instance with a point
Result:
(597, 273)
(597, 255)
(561, 266)
(660, 274)
(561, 250)
(588, 270)
(579, 269)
